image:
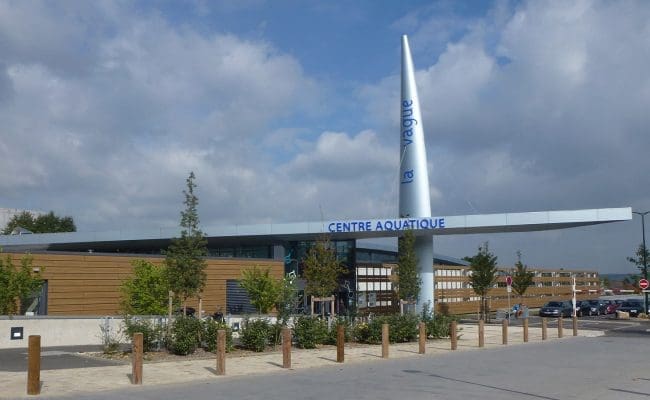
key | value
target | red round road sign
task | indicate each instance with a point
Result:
(509, 281)
(643, 284)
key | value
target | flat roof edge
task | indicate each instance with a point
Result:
(352, 229)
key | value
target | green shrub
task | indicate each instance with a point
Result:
(310, 332)
(210, 332)
(275, 334)
(402, 328)
(370, 332)
(438, 326)
(361, 333)
(255, 334)
(151, 335)
(333, 332)
(185, 335)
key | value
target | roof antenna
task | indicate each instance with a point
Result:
(469, 203)
(322, 218)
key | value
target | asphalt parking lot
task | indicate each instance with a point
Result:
(607, 323)
(15, 360)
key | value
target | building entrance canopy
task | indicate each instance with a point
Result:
(451, 225)
(337, 229)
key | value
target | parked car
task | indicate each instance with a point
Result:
(556, 309)
(581, 309)
(592, 307)
(610, 306)
(632, 306)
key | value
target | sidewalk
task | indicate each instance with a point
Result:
(77, 381)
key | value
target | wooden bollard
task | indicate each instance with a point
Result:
(221, 352)
(34, 365)
(136, 362)
(481, 333)
(525, 330)
(453, 335)
(559, 327)
(340, 343)
(286, 348)
(504, 330)
(384, 340)
(544, 328)
(423, 338)
(575, 326)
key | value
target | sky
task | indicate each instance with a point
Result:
(288, 111)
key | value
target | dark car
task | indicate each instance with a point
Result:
(592, 307)
(632, 306)
(556, 309)
(611, 306)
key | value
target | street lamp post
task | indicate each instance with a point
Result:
(645, 261)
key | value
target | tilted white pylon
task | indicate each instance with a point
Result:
(414, 198)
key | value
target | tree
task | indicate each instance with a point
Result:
(263, 290)
(631, 282)
(639, 259)
(146, 292)
(409, 282)
(605, 282)
(16, 283)
(484, 274)
(322, 269)
(45, 223)
(185, 257)
(287, 298)
(522, 279)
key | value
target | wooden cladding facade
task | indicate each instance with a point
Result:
(89, 284)
(453, 295)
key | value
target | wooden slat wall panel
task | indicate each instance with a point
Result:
(89, 284)
(467, 307)
(446, 299)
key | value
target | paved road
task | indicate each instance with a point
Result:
(607, 323)
(14, 360)
(580, 368)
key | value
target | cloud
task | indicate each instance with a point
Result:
(535, 107)
(567, 101)
(338, 156)
(105, 111)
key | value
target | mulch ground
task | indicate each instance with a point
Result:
(199, 354)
